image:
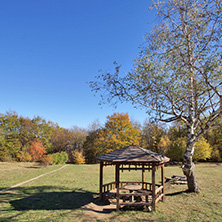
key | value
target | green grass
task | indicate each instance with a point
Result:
(59, 196)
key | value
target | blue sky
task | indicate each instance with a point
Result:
(50, 49)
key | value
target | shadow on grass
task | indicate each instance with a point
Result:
(49, 198)
(17, 202)
(177, 193)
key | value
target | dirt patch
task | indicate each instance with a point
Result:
(98, 211)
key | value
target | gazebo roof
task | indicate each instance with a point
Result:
(133, 154)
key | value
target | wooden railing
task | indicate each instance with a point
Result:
(146, 186)
(108, 186)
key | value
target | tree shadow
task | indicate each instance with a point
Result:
(176, 193)
(49, 198)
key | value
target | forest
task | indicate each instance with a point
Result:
(24, 140)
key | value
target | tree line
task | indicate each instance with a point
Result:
(25, 139)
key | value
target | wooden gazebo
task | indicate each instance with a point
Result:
(133, 193)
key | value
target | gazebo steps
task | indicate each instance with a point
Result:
(136, 204)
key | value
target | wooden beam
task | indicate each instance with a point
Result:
(143, 177)
(153, 187)
(133, 168)
(163, 181)
(161, 196)
(117, 188)
(101, 181)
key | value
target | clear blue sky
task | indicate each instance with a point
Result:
(50, 49)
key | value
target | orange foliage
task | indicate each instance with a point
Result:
(37, 150)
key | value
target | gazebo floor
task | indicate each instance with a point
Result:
(136, 198)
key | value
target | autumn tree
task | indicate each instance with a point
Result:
(203, 150)
(37, 150)
(77, 157)
(177, 75)
(164, 144)
(42, 131)
(117, 133)
(68, 140)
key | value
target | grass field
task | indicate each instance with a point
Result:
(62, 195)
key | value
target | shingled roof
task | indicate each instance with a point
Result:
(133, 154)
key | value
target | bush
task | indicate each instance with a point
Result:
(24, 156)
(47, 160)
(5, 157)
(77, 157)
(59, 158)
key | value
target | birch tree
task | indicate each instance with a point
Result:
(178, 74)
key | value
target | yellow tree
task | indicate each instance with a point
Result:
(202, 150)
(118, 132)
(164, 144)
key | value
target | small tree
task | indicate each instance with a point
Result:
(37, 150)
(78, 157)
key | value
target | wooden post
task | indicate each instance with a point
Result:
(117, 187)
(163, 181)
(153, 187)
(101, 181)
(143, 177)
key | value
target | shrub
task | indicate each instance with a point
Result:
(46, 160)
(59, 158)
(78, 157)
(24, 156)
(5, 157)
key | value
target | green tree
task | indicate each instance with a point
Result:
(10, 144)
(151, 136)
(177, 75)
(90, 149)
(214, 137)
(177, 130)
(26, 133)
(42, 130)
(177, 149)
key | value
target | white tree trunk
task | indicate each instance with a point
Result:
(188, 165)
